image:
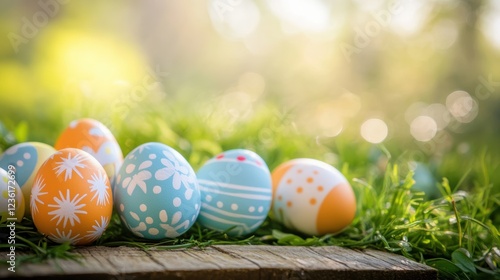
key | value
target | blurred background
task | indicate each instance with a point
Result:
(336, 80)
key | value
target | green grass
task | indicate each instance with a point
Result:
(456, 233)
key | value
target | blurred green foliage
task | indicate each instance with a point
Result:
(275, 78)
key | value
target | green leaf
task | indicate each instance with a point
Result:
(7, 139)
(21, 132)
(287, 238)
(460, 258)
(444, 266)
(294, 240)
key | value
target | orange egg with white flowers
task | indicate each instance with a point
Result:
(71, 199)
(312, 197)
(96, 139)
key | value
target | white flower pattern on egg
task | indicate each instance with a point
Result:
(62, 237)
(67, 208)
(36, 193)
(172, 230)
(180, 173)
(137, 179)
(142, 148)
(99, 228)
(69, 165)
(99, 188)
(169, 198)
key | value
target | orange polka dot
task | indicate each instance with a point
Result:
(289, 204)
(312, 201)
(310, 179)
(299, 171)
(280, 197)
(289, 181)
(315, 172)
(320, 188)
(299, 190)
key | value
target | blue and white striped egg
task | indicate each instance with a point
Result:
(236, 192)
(26, 158)
(156, 192)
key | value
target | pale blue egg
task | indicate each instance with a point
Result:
(236, 192)
(425, 181)
(156, 192)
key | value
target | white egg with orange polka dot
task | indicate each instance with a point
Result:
(312, 197)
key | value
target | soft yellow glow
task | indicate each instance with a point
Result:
(349, 104)
(15, 86)
(444, 34)
(73, 62)
(253, 84)
(410, 17)
(234, 19)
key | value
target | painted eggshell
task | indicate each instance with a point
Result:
(94, 138)
(12, 200)
(424, 180)
(156, 192)
(312, 197)
(236, 192)
(71, 199)
(26, 158)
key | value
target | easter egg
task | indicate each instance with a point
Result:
(156, 192)
(71, 199)
(312, 197)
(424, 180)
(26, 158)
(236, 192)
(12, 200)
(94, 138)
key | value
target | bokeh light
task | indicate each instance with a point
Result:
(234, 19)
(301, 15)
(410, 16)
(439, 114)
(490, 22)
(374, 130)
(462, 106)
(361, 71)
(423, 128)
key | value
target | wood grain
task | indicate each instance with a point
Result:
(226, 262)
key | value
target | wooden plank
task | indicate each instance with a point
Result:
(126, 260)
(226, 262)
(376, 264)
(208, 263)
(61, 268)
(276, 262)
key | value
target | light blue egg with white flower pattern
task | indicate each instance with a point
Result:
(156, 192)
(236, 192)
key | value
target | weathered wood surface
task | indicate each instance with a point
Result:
(227, 262)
